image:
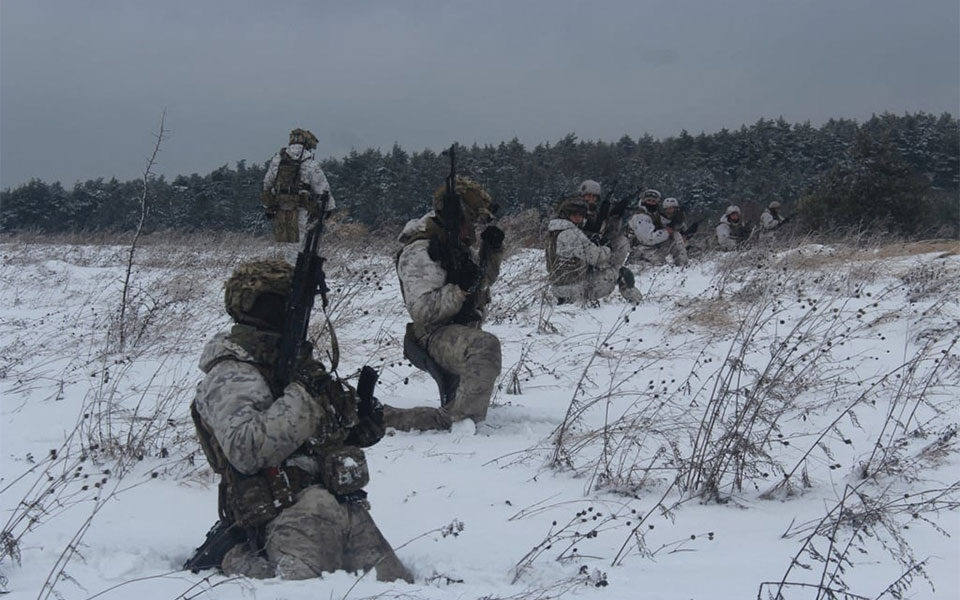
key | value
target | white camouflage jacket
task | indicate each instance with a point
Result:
(234, 401)
(645, 230)
(725, 234)
(310, 172)
(768, 221)
(573, 246)
(429, 299)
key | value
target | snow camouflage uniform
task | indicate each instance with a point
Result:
(654, 241)
(292, 188)
(450, 337)
(770, 221)
(289, 458)
(590, 192)
(581, 270)
(731, 235)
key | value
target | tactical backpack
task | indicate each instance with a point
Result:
(285, 198)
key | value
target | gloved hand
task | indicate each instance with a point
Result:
(368, 407)
(493, 236)
(467, 276)
(312, 375)
(468, 312)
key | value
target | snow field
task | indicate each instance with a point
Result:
(806, 342)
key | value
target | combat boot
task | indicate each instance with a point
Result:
(627, 284)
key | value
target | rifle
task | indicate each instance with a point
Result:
(604, 210)
(308, 281)
(221, 537)
(455, 254)
(692, 229)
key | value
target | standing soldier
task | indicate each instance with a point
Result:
(292, 189)
(732, 234)
(291, 501)
(580, 269)
(445, 284)
(770, 221)
(655, 237)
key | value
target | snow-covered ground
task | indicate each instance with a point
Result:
(692, 446)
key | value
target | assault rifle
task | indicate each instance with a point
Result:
(604, 211)
(308, 281)
(455, 254)
(221, 537)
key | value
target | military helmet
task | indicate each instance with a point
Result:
(774, 205)
(590, 186)
(733, 208)
(304, 137)
(650, 199)
(651, 193)
(670, 203)
(476, 202)
(573, 206)
(251, 280)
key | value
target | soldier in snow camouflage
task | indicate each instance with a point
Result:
(732, 233)
(446, 314)
(292, 189)
(289, 458)
(654, 233)
(581, 270)
(770, 223)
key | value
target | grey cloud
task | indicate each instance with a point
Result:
(82, 85)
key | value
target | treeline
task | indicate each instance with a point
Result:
(901, 171)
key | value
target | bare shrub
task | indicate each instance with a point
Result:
(831, 544)
(525, 229)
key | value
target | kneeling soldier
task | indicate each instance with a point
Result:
(292, 472)
(445, 284)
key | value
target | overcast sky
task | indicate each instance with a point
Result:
(83, 83)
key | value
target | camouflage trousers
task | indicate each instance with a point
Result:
(657, 255)
(469, 353)
(318, 535)
(473, 355)
(293, 245)
(596, 284)
(600, 283)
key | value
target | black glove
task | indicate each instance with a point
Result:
(468, 312)
(313, 376)
(369, 407)
(467, 276)
(493, 236)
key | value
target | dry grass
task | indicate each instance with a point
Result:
(815, 256)
(712, 314)
(943, 247)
